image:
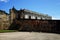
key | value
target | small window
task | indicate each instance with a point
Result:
(29, 17)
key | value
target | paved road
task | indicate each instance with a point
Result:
(29, 36)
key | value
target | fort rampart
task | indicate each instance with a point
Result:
(36, 25)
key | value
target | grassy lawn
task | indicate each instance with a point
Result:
(3, 31)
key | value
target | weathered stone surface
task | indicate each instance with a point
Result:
(36, 25)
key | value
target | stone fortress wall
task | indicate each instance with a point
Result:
(26, 20)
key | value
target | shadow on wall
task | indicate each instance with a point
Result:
(14, 26)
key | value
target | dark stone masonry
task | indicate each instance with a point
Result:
(51, 26)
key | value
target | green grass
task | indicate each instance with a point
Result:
(3, 31)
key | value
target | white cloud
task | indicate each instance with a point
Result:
(4, 0)
(55, 18)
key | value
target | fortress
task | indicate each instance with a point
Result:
(27, 14)
(27, 20)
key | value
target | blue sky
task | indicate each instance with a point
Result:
(50, 7)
